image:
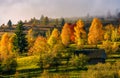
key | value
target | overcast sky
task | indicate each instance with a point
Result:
(25, 9)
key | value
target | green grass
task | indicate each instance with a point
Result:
(27, 67)
(85, 46)
(114, 55)
(37, 74)
(29, 62)
(112, 58)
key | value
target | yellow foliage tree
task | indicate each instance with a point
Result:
(4, 41)
(95, 32)
(54, 37)
(80, 33)
(115, 47)
(7, 58)
(119, 30)
(40, 45)
(10, 43)
(110, 47)
(30, 37)
(106, 36)
(109, 30)
(65, 35)
(5, 46)
(114, 35)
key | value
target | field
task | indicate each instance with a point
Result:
(27, 67)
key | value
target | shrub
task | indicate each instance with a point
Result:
(8, 65)
(102, 71)
(79, 61)
(109, 47)
(48, 60)
(46, 74)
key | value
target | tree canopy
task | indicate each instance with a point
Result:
(95, 32)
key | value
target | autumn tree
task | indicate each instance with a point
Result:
(79, 61)
(80, 33)
(110, 47)
(107, 36)
(48, 33)
(72, 37)
(65, 35)
(20, 41)
(7, 58)
(95, 34)
(39, 46)
(54, 37)
(108, 32)
(106, 45)
(4, 45)
(114, 35)
(30, 37)
(51, 57)
(10, 43)
(115, 47)
(119, 30)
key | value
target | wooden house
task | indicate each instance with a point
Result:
(95, 55)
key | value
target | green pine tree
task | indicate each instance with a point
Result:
(20, 42)
(9, 24)
(46, 21)
(62, 22)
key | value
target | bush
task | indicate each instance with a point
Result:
(8, 65)
(48, 60)
(109, 47)
(46, 74)
(102, 71)
(79, 61)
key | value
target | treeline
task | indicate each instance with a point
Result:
(56, 43)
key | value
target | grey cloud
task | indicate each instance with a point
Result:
(25, 9)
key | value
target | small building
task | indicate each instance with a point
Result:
(95, 55)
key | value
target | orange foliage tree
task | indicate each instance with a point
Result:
(40, 45)
(80, 33)
(95, 32)
(72, 36)
(65, 35)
